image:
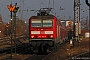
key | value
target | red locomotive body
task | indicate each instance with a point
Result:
(42, 27)
(46, 30)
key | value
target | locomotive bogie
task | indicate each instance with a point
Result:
(37, 42)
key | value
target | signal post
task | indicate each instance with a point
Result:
(13, 9)
(14, 17)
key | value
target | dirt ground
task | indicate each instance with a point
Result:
(66, 51)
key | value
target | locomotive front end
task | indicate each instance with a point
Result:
(42, 31)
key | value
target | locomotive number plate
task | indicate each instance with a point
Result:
(42, 32)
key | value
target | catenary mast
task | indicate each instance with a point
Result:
(77, 24)
(77, 21)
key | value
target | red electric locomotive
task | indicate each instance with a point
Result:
(45, 31)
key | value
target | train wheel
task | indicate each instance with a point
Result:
(44, 48)
(40, 48)
(39, 51)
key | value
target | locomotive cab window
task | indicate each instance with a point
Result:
(47, 23)
(41, 23)
(36, 23)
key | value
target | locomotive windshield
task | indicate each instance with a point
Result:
(36, 23)
(47, 23)
(40, 23)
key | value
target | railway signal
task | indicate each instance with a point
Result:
(6, 26)
(13, 9)
(16, 9)
(69, 22)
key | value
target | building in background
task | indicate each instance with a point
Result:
(68, 24)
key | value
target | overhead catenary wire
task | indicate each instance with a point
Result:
(49, 4)
(21, 11)
(53, 4)
(42, 3)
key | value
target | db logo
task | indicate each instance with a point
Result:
(42, 32)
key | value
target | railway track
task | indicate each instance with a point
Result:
(35, 57)
(26, 50)
(83, 56)
(6, 42)
(42, 56)
(20, 49)
(7, 39)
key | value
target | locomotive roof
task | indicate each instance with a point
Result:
(44, 17)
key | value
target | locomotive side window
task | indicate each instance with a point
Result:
(36, 23)
(47, 23)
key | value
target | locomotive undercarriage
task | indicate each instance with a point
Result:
(43, 45)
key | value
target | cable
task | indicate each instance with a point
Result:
(48, 3)
(53, 4)
(41, 3)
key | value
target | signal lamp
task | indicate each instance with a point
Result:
(6, 26)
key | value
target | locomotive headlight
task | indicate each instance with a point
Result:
(51, 36)
(32, 36)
